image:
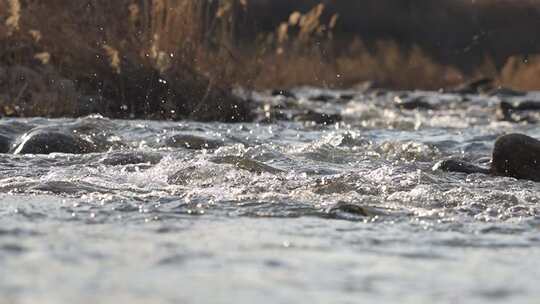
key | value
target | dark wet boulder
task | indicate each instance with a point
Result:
(318, 118)
(516, 155)
(43, 141)
(191, 142)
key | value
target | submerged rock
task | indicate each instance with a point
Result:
(351, 211)
(348, 208)
(457, 165)
(130, 158)
(191, 142)
(514, 155)
(246, 164)
(43, 141)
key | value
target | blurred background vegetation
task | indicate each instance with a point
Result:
(173, 58)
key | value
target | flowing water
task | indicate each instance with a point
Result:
(275, 212)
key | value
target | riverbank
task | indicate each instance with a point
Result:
(66, 59)
(180, 59)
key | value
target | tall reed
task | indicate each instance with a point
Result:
(206, 37)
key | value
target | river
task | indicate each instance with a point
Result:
(275, 212)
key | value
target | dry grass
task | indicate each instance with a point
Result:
(199, 43)
(103, 46)
(387, 66)
(521, 73)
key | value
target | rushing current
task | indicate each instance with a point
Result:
(279, 211)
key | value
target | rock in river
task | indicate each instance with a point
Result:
(44, 141)
(517, 155)
(130, 158)
(246, 164)
(457, 165)
(514, 155)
